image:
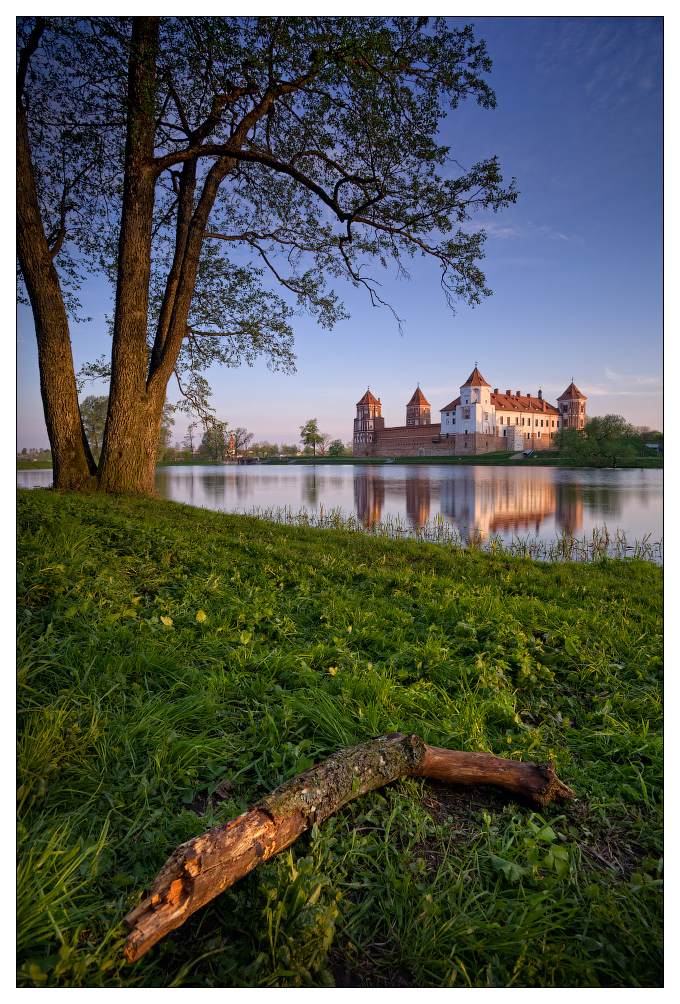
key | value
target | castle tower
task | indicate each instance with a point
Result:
(572, 408)
(475, 412)
(418, 410)
(368, 421)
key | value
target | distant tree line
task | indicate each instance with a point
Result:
(217, 442)
(35, 453)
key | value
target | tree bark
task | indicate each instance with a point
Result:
(204, 867)
(128, 458)
(72, 462)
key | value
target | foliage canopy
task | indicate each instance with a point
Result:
(225, 172)
(602, 441)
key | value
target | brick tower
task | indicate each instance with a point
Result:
(418, 410)
(366, 424)
(572, 408)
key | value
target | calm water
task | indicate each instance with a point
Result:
(484, 502)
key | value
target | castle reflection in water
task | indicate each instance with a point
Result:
(477, 502)
(480, 503)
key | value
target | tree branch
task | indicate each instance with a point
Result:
(204, 867)
(27, 52)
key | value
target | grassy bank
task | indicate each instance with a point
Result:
(34, 465)
(176, 663)
(546, 459)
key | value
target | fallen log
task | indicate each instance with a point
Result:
(202, 868)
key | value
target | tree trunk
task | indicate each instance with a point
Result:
(204, 867)
(73, 465)
(128, 458)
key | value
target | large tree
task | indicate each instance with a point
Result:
(310, 435)
(604, 441)
(242, 438)
(189, 156)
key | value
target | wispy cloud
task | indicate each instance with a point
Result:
(522, 231)
(618, 58)
(613, 384)
(633, 379)
(624, 385)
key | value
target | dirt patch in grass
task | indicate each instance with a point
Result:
(611, 849)
(366, 971)
(460, 803)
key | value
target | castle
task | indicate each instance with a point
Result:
(479, 420)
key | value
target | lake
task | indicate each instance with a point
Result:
(474, 503)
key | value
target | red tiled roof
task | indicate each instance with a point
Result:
(476, 380)
(508, 402)
(511, 402)
(367, 399)
(572, 391)
(418, 399)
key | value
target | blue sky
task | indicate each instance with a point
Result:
(575, 266)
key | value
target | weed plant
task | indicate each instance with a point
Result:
(175, 664)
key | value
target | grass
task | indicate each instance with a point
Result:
(176, 663)
(543, 458)
(547, 458)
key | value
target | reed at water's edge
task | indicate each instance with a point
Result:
(176, 664)
(565, 547)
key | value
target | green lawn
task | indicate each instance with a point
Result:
(175, 664)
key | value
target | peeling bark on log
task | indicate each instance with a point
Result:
(202, 868)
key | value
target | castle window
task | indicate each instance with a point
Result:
(500, 420)
(553, 425)
(541, 423)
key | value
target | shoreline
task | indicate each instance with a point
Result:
(482, 460)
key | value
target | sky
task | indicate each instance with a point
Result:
(575, 266)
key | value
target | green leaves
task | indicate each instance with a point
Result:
(510, 869)
(572, 648)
